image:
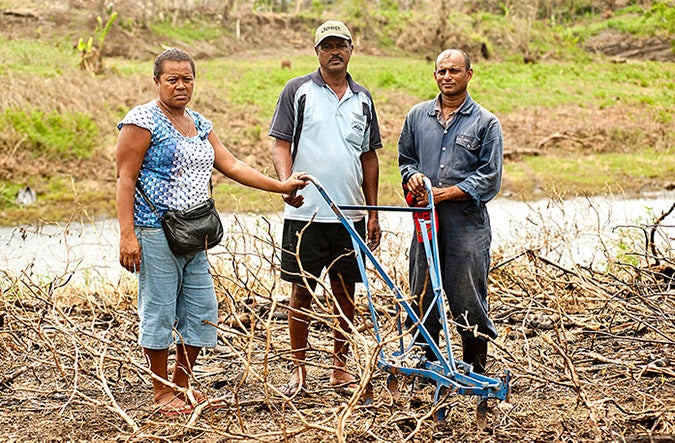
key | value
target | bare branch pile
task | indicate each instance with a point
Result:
(588, 338)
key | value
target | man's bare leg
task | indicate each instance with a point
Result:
(344, 310)
(298, 328)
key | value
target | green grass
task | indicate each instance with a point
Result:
(658, 20)
(590, 174)
(508, 87)
(252, 83)
(501, 87)
(233, 197)
(189, 32)
(36, 57)
(412, 76)
(60, 198)
(52, 134)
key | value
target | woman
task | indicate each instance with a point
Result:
(171, 151)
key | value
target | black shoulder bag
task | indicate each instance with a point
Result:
(190, 230)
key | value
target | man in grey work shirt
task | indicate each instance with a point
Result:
(458, 145)
(325, 124)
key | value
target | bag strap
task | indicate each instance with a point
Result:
(149, 202)
(146, 198)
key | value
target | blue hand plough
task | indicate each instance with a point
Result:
(448, 374)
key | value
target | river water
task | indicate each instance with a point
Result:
(575, 231)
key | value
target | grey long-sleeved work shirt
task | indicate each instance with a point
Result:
(468, 153)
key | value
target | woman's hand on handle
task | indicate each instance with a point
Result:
(297, 180)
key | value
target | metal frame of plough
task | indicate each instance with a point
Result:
(449, 375)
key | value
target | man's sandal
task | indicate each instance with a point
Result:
(170, 410)
(346, 388)
(291, 389)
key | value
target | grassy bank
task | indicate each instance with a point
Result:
(573, 122)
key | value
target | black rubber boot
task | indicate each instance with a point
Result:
(428, 353)
(474, 352)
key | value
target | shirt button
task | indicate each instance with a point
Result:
(443, 148)
(442, 166)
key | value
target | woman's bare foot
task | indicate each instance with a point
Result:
(194, 397)
(170, 404)
(295, 384)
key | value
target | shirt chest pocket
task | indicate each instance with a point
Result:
(356, 131)
(466, 153)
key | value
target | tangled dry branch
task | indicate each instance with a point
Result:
(590, 344)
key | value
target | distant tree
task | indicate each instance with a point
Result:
(91, 56)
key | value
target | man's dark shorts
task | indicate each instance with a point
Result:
(322, 245)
